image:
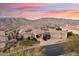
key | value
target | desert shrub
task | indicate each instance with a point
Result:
(35, 52)
(70, 34)
(73, 44)
(58, 28)
(38, 51)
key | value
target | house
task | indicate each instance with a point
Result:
(28, 34)
(49, 34)
(43, 33)
(25, 32)
(38, 34)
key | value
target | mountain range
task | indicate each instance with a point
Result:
(6, 22)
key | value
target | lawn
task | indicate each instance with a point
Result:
(28, 42)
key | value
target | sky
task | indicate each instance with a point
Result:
(40, 10)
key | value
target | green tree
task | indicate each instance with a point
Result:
(46, 36)
(58, 28)
(70, 34)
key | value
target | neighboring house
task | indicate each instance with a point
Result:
(25, 32)
(58, 34)
(3, 40)
(71, 28)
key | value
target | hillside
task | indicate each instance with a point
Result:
(7, 22)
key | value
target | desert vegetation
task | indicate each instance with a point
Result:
(73, 45)
(56, 27)
(38, 51)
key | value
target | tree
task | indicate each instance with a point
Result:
(58, 28)
(46, 36)
(69, 34)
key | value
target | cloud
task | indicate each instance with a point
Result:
(39, 10)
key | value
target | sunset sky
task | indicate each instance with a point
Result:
(40, 10)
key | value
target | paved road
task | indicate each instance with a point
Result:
(54, 47)
(54, 50)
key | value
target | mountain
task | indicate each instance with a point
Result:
(56, 21)
(6, 22)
